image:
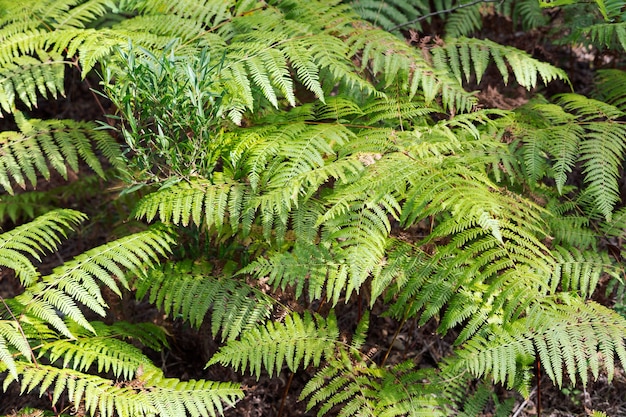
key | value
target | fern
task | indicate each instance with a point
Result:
(466, 56)
(359, 389)
(166, 396)
(33, 239)
(611, 86)
(296, 342)
(464, 21)
(58, 144)
(108, 353)
(569, 338)
(581, 271)
(189, 291)
(580, 130)
(77, 280)
(28, 77)
(296, 142)
(389, 14)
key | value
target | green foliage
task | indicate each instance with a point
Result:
(471, 56)
(296, 342)
(58, 144)
(189, 291)
(298, 161)
(576, 129)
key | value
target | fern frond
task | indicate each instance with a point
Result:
(609, 35)
(25, 206)
(12, 340)
(27, 78)
(390, 13)
(464, 21)
(54, 14)
(58, 144)
(198, 202)
(356, 388)
(611, 86)
(602, 150)
(148, 394)
(580, 271)
(529, 13)
(578, 129)
(105, 352)
(78, 280)
(79, 15)
(353, 239)
(172, 397)
(397, 63)
(189, 291)
(574, 338)
(466, 56)
(554, 132)
(360, 234)
(296, 342)
(35, 238)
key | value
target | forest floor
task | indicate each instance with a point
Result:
(278, 397)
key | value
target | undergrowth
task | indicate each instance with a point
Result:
(274, 156)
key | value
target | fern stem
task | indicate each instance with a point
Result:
(438, 12)
(521, 407)
(538, 387)
(395, 336)
(283, 400)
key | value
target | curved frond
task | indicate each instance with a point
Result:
(78, 280)
(467, 56)
(32, 239)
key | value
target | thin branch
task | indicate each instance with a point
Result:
(523, 405)
(435, 13)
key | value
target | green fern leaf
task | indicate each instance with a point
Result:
(59, 143)
(77, 280)
(458, 51)
(296, 342)
(32, 239)
(187, 290)
(148, 394)
(355, 388)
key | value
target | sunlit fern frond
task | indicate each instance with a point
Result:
(105, 351)
(57, 144)
(78, 280)
(297, 341)
(470, 56)
(394, 62)
(18, 247)
(149, 393)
